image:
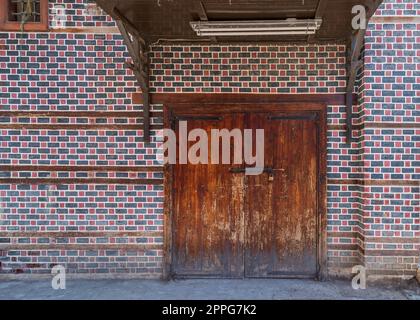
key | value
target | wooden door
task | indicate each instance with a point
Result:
(208, 217)
(281, 204)
(229, 225)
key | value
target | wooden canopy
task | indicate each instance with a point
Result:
(144, 22)
(169, 19)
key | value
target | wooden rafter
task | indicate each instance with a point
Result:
(354, 62)
(138, 51)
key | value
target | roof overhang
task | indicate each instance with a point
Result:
(145, 22)
(169, 20)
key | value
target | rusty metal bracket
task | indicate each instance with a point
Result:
(139, 52)
(354, 62)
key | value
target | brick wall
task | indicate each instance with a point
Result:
(99, 227)
(249, 69)
(390, 149)
(118, 227)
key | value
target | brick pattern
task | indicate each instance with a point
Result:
(141, 263)
(399, 8)
(392, 215)
(77, 147)
(64, 71)
(81, 175)
(75, 73)
(344, 207)
(84, 72)
(84, 207)
(97, 209)
(390, 83)
(393, 211)
(77, 14)
(390, 91)
(391, 154)
(343, 159)
(249, 69)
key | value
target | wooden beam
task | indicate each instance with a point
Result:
(79, 234)
(58, 126)
(118, 16)
(206, 98)
(139, 53)
(201, 11)
(52, 168)
(354, 63)
(76, 114)
(320, 10)
(137, 47)
(128, 41)
(60, 181)
(146, 117)
(76, 246)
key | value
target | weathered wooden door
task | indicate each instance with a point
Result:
(227, 224)
(208, 215)
(281, 204)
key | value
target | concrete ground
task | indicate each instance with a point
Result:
(200, 290)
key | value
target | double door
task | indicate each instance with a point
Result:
(227, 224)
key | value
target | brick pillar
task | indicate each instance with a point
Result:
(389, 145)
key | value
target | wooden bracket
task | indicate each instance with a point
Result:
(138, 50)
(354, 62)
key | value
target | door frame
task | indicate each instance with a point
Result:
(170, 110)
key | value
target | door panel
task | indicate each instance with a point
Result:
(208, 213)
(259, 229)
(228, 225)
(281, 224)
